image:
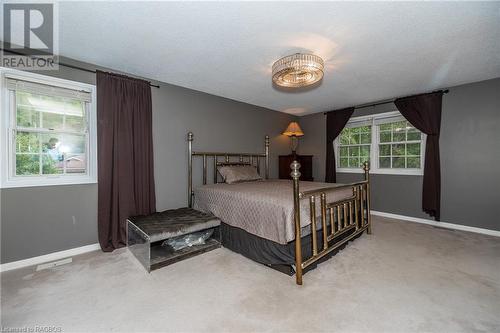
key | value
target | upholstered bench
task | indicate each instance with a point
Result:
(146, 235)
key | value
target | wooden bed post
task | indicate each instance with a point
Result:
(295, 174)
(190, 169)
(366, 168)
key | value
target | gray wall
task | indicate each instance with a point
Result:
(41, 220)
(470, 159)
(218, 124)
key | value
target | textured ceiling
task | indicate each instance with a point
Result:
(372, 51)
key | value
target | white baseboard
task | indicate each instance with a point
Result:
(446, 225)
(48, 257)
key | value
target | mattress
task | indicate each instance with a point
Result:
(262, 208)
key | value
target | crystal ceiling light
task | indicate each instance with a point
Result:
(298, 70)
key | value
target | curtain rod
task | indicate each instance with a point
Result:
(387, 101)
(67, 65)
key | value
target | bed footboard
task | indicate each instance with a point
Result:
(336, 218)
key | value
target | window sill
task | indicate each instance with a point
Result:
(47, 182)
(407, 172)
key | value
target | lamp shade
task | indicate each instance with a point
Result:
(293, 129)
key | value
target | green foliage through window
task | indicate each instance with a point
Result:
(50, 137)
(400, 146)
(354, 146)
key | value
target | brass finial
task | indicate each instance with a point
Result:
(190, 136)
(267, 140)
(366, 166)
(295, 166)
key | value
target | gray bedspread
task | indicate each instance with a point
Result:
(263, 208)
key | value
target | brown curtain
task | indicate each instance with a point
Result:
(424, 112)
(125, 155)
(335, 123)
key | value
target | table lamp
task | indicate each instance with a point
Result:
(294, 132)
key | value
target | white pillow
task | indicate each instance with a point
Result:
(238, 173)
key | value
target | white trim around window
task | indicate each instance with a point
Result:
(374, 120)
(8, 178)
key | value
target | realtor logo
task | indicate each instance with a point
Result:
(30, 39)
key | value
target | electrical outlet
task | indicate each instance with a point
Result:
(54, 264)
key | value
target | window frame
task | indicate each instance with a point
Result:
(8, 126)
(355, 123)
(374, 149)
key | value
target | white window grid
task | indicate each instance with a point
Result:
(359, 156)
(9, 130)
(404, 143)
(374, 121)
(44, 130)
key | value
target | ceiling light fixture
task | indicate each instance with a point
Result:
(298, 70)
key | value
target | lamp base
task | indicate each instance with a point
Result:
(294, 144)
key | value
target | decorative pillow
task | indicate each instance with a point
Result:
(238, 173)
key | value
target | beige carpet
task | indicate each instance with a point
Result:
(405, 277)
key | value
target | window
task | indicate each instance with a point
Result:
(49, 126)
(399, 146)
(387, 141)
(355, 145)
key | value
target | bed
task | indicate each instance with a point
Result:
(289, 225)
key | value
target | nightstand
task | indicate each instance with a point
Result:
(305, 167)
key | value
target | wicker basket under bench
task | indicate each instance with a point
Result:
(145, 235)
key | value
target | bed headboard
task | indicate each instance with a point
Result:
(254, 159)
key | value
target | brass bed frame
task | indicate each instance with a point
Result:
(336, 218)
